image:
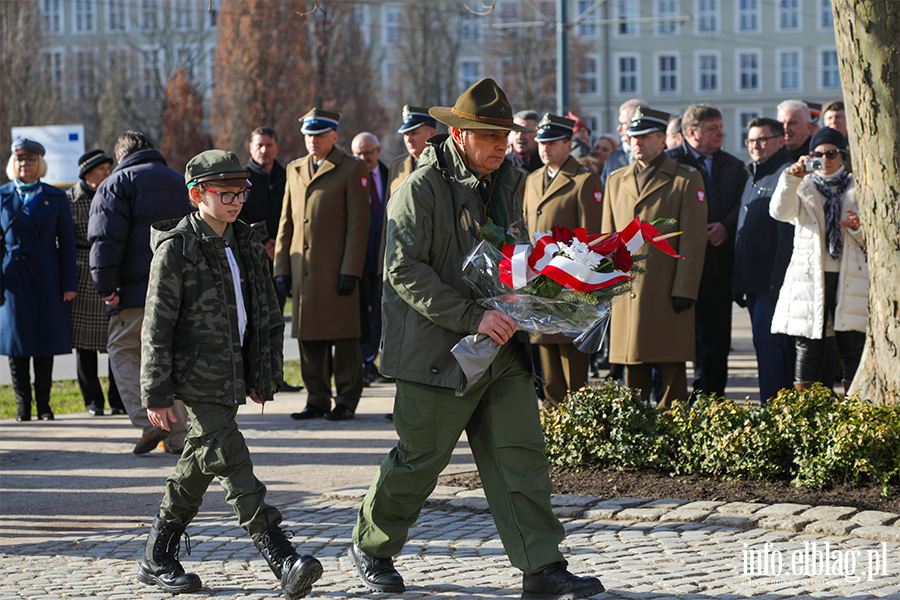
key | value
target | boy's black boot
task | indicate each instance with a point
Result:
(296, 573)
(160, 565)
(556, 583)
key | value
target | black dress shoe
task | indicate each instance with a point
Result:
(389, 416)
(340, 413)
(377, 574)
(95, 412)
(310, 412)
(556, 583)
(118, 411)
(286, 387)
(47, 416)
(23, 417)
(382, 379)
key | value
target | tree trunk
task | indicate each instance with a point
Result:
(868, 47)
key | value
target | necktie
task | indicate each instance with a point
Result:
(374, 201)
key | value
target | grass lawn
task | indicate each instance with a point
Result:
(65, 397)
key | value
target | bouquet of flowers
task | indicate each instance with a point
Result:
(562, 283)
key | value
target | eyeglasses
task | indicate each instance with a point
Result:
(26, 158)
(760, 141)
(365, 153)
(230, 197)
(830, 154)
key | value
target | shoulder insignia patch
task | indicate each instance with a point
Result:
(598, 196)
(364, 181)
(701, 197)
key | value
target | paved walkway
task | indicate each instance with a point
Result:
(75, 504)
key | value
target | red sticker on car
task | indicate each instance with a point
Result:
(701, 197)
(364, 181)
(598, 196)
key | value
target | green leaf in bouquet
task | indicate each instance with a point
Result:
(665, 225)
(494, 234)
(577, 297)
(544, 287)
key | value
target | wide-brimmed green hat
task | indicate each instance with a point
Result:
(482, 106)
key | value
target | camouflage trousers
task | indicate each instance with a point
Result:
(500, 417)
(214, 448)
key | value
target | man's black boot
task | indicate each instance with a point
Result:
(377, 574)
(160, 565)
(296, 573)
(556, 583)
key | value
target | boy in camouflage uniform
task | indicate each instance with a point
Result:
(211, 298)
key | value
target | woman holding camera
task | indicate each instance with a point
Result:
(826, 283)
(39, 276)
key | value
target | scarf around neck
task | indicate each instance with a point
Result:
(28, 192)
(832, 187)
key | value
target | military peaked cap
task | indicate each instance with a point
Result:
(645, 120)
(554, 127)
(414, 117)
(319, 121)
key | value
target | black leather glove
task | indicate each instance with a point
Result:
(681, 304)
(283, 283)
(346, 285)
(739, 299)
(774, 291)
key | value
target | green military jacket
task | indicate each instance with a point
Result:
(190, 343)
(427, 307)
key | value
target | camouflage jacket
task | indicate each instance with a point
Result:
(190, 345)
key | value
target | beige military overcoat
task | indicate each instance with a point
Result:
(322, 235)
(644, 326)
(399, 170)
(573, 199)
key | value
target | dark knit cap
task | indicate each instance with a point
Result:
(827, 135)
(91, 160)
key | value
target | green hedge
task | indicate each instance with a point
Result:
(810, 438)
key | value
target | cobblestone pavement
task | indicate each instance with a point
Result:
(455, 553)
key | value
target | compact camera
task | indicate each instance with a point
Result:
(814, 164)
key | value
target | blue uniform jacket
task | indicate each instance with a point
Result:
(38, 266)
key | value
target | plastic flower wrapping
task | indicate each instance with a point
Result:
(563, 282)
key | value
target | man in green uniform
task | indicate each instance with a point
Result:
(433, 222)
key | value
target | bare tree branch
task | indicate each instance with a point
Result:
(482, 14)
(306, 14)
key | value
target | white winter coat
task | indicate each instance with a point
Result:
(800, 310)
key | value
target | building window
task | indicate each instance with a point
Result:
(470, 73)
(666, 9)
(667, 73)
(183, 14)
(470, 29)
(748, 76)
(116, 17)
(149, 15)
(54, 67)
(85, 19)
(392, 24)
(84, 75)
(627, 11)
(708, 72)
(788, 15)
(826, 17)
(51, 16)
(789, 70)
(361, 19)
(627, 76)
(213, 11)
(748, 15)
(831, 75)
(744, 116)
(708, 11)
(589, 29)
(150, 74)
(588, 80)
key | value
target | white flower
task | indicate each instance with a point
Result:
(580, 253)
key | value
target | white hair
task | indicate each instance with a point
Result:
(365, 135)
(794, 106)
(12, 174)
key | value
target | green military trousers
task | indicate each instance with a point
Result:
(215, 448)
(500, 417)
